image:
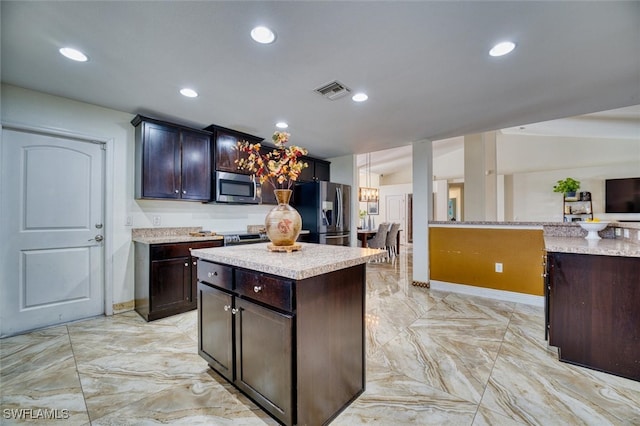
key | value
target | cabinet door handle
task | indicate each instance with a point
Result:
(234, 311)
(257, 288)
(227, 307)
(186, 264)
(177, 191)
(212, 274)
(184, 192)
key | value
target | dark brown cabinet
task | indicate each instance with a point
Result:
(258, 359)
(172, 162)
(268, 336)
(593, 304)
(268, 195)
(166, 278)
(318, 170)
(225, 146)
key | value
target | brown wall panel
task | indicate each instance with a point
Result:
(468, 256)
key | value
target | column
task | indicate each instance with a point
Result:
(480, 179)
(422, 209)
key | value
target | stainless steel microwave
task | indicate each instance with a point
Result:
(237, 188)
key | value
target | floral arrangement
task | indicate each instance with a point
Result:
(280, 167)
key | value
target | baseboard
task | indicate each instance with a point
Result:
(509, 296)
(119, 308)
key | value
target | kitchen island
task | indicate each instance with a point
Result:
(287, 329)
(592, 292)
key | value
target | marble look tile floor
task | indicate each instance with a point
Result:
(433, 358)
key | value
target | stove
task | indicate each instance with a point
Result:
(234, 238)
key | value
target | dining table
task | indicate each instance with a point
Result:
(365, 234)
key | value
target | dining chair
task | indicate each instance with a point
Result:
(379, 240)
(391, 240)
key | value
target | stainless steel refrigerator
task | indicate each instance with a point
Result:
(325, 210)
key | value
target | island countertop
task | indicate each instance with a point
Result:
(311, 260)
(605, 246)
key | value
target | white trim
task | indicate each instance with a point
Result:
(509, 296)
(109, 224)
(108, 195)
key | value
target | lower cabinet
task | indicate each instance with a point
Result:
(263, 357)
(593, 311)
(269, 336)
(166, 278)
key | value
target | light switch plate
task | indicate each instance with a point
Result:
(156, 221)
(626, 233)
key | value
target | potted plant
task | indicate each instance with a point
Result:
(568, 187)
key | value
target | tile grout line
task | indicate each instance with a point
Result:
(495, 360)
(75, 362)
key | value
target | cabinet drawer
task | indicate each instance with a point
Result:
(170, 250)
(264, 288)
(216, 274)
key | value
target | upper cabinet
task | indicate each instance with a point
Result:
(172, 161)
(225, 142)
(318, 170)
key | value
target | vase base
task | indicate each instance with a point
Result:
(288, 249)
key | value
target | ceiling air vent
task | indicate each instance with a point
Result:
(333, 90)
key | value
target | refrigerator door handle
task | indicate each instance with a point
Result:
(341, 208)
(339, 212)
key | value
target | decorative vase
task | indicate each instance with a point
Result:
(283, 223)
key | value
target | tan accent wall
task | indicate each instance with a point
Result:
(468, 256)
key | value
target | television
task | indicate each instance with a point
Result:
(622, 195)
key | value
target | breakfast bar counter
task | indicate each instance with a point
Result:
(286, 329)
(592, 301)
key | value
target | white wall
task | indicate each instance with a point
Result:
(531, 165)
(35, 109)
(535, 201)
(403, 176)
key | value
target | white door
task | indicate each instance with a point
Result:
(395, 212)
(51, 225)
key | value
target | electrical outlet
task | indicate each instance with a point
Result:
(129, 221)
(156, 221)
(498, 267)
(618, 232)
(626, 233)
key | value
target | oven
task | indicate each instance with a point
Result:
(237, 188)
(238, 238)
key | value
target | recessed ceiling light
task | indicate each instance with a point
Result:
(263, 35)
(282, 125)
(503, 48)
(73, 54)
(189, 93)
(360, 97)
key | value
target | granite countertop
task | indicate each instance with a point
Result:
(175, 239)
(312, 260)
(604, 247)
(169, 235)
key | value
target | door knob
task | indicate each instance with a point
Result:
(97, 238)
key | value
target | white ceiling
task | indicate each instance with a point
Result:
(617, 124)
(423, 64)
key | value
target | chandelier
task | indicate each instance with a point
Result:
(367, 193)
